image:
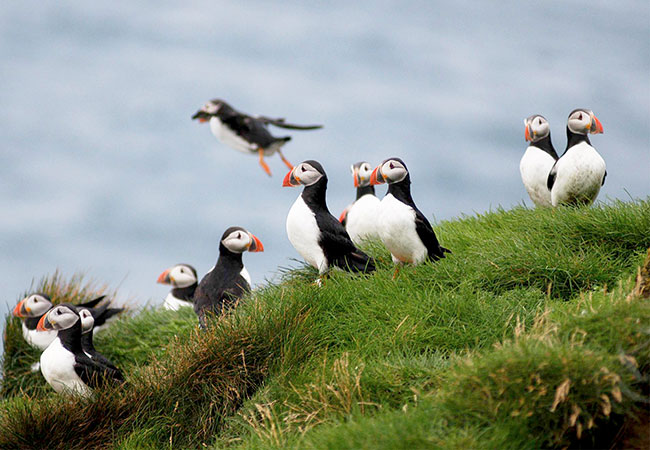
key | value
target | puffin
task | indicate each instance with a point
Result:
(245, 133)
(229, 280)
(313, 231)
(31, 308)
(87, 345)
(64, 364)
(579, 173)
(360, 218)
(538, 159)
(184, 280)
(404, 230)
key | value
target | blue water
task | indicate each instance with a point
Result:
(102, 171)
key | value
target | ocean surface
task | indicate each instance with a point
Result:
(102, 171)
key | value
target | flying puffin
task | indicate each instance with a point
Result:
(360, 218)
(538, 160)
(64, 364)
(229, 280)
(315, 233)
(184, 280)
(34, 306)
(87, 345)
(404, 230)
(579, 173)
(245, 133)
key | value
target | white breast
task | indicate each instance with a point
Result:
(303, 233)
(580, 172)
(38, 339)
(397, 231)
(174, 304)
(246, 276)
(228, 137)
(534, 167)
(57, 367)
(362, 219)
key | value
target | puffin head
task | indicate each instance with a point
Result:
(34, 305)
(583, 121)
(306, 173)
(179, 276)
(361, 172)
(238, 240)
(87, 320)
(537, 128)
(392, 170)
(61, 317)
(210, 109)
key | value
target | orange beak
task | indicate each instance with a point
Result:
(203, 120)
(527, 134)
(164, 278)
(290, 180)
(256, 244)
(598, 128)
(343, 215)
(18, 310)
(42, 324)
(355, 175)
(374, 179)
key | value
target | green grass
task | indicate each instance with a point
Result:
(523, 338)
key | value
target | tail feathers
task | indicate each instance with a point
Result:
(439, 254)
(356, 261)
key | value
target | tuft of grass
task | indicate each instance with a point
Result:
(472, 351)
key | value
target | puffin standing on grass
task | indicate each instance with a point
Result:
(404, 230)
(360, 218)
(245, 133)
(539, 158)
(579, 173)
(315, 233)
(64, 364)
(87, 345)
(184, 280)
(34, 306)
(229, 280)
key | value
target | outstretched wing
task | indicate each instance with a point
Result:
(91, 303)
(283, 124)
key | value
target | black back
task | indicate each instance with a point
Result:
(402, 192)
(337, 246)
(88, 346)
(249, 128)
(220, 289)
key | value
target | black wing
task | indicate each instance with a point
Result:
(428, 237)
(604, 176)
(102, 313)
(250, 129)
(94, 374)
(216, 293)
(551, 176)
(91, 303)
(339, 248)
(283, 124)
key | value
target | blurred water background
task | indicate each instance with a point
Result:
(103, 172)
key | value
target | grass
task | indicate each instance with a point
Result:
(525, 337)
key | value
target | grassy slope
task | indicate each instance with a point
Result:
(523, 336)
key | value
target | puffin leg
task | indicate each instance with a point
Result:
(285, 161)
(263, 163)
(397, 267)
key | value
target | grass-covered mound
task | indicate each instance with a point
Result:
(524, 337)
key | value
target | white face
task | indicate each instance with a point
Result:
(580, 121)
(393, 171)
(537, 128)
(306, 174)
(61, 318)
(238, 241)
(362, 174)
(36, 305)
(182, 276)
(87, 321)
(211, 108)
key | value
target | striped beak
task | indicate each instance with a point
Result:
(596, 127)
(377, 177)
(164, 278)
(256, 244)
(44, 324)
(290, 180)
(20, 310)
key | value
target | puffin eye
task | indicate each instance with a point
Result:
(392, 166)
(238, 235)
(580, 116)
(539, 121)
(303, 169)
